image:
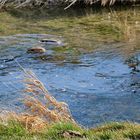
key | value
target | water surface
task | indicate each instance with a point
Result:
(90, 70)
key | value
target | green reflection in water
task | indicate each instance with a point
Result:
(83, 29)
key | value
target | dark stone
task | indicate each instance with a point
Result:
(71, 134)
(36, 50)
(48, 41)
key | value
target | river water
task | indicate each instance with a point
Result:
(90, 70)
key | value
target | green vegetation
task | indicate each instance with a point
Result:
(12, 130)
(78, 30)
(95, 28)
(112, 131)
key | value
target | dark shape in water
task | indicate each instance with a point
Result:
(133, 63)
(53, 42)
(36, 50)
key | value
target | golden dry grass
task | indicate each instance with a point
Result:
(30, 122)
(41, 103)
(42, 108)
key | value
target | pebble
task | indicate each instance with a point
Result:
(36, 50)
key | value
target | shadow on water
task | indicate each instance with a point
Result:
(95, 70)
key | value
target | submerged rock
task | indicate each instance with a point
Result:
(133, 63)
(49, 41)
(36, 50)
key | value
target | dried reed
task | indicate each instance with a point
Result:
(42, 108)
(30, 122)
(39, 102)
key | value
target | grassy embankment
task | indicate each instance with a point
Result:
(59, 131)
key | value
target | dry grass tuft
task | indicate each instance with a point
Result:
(30, 122)
(40, 103)
(42, 108)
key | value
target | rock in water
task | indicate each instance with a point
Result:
(36, 50)
(49, 41)
(71, 134)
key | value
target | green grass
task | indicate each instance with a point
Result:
(13, 130)
(111, 131)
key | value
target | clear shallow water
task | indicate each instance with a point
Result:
(91, 75)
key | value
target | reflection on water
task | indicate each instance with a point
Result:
(96, 69)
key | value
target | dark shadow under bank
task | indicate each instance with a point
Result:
(99, 3)
(60, 3)
(78, 3)
(59, 12)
